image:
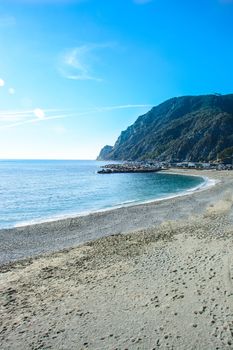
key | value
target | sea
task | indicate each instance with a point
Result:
(34, 191)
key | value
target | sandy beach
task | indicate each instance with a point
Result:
(152, 276)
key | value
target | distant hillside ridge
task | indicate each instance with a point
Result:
(188, 128)
(106, 150)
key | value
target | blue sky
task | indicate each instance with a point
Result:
(74, 73)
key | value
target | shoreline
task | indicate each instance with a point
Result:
(34, 240)
(152, 276)
(208, 182)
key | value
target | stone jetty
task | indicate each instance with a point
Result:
(129, 168)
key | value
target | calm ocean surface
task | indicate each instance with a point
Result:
(35, 191)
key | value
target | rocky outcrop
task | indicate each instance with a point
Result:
(104, 153)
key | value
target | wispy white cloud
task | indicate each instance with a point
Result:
(81, 63)
(15, 118)
(26, 113)
(112, 108)
(2, 82)
(7, 21)
(34, 121)
(12, 119)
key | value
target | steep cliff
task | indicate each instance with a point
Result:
(193, 128)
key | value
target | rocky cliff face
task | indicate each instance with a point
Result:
(106, 150)
(192, 128)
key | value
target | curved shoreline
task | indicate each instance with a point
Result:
(33, 240)
(162, 278)
(207, 183)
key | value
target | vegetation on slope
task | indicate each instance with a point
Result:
(191, 128)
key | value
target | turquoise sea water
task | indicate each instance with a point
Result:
(35, 191)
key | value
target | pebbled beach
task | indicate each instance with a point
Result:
(152, 276)
(35, 239)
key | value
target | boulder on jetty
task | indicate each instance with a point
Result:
(129, 168)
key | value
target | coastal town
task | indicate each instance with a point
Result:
(152, 166)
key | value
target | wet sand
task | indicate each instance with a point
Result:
(161, 279)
